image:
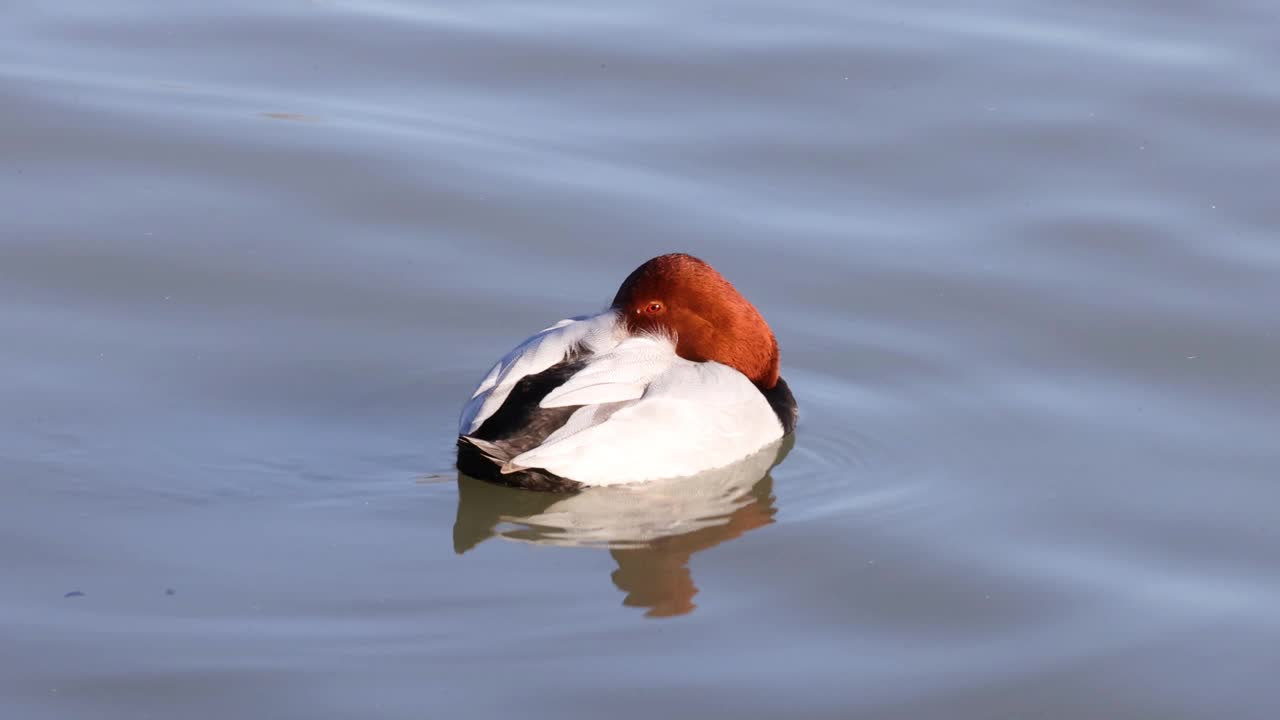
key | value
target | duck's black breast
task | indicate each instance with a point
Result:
(784, 405)
(520, 425)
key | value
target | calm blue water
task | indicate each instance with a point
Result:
(1020, 258)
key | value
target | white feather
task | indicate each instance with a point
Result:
(646, 413)
(593, 334)
(623, 373)
(691, 417)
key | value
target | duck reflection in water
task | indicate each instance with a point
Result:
(651, 530)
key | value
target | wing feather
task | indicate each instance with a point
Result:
(592, 334)
(692, 416)
(623, 373)
(642, 412)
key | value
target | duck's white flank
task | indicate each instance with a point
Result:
(646, 413)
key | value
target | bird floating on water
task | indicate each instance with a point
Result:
(679, 376)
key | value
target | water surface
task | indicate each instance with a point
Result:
(1020, 258)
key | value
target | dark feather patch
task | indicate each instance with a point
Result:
(784, 405)
(520, 425)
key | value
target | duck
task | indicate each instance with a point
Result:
(680, 375)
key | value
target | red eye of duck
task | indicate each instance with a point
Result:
(654, 307)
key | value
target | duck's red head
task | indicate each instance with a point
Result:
(683, 296)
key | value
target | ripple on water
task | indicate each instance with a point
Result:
(838, 468)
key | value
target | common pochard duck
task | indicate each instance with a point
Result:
(679, 376)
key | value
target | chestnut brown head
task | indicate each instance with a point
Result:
(709, 319)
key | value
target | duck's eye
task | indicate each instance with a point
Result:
(654, 307)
